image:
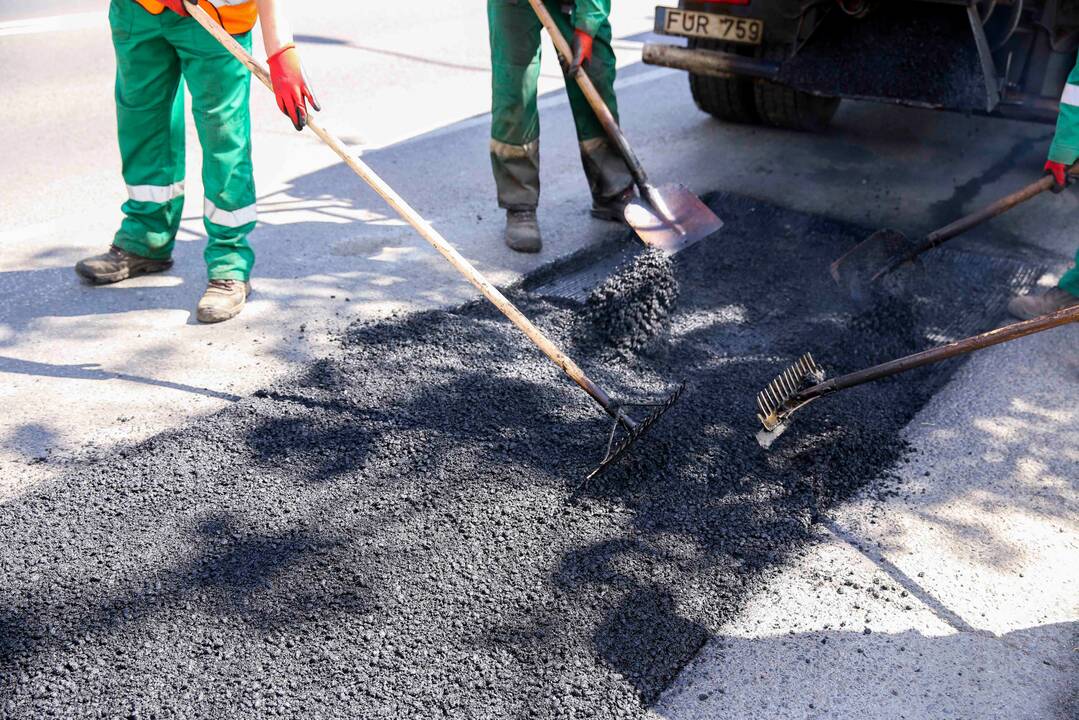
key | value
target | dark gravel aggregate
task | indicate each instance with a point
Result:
(391, 532)
(632, 306)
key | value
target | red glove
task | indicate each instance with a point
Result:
(177, 6)
(582, 51)
(290, 85)
(1059, 171)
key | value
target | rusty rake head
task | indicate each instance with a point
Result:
(777, 402)
(632, 430)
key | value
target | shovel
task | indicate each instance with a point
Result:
(803, 382)
(669, 218)
(886, 250)
(626, 429)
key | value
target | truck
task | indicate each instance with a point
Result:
(789, 63)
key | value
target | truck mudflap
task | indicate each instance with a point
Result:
(936, 56)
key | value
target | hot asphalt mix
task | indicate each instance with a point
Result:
(394, 532)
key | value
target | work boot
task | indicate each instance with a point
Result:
(522, 231)
(223, 299)
(1028, 307)
(613, 209)
(116, 265)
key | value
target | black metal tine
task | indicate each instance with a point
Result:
(632, 436)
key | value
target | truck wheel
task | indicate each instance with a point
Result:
(784, 107)
(729, 99)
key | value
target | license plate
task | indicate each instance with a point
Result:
(691, 23)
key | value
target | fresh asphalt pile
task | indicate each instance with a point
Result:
(393, 533)
(631, 307)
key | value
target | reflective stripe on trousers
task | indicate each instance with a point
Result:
(229, 218)
(155, 193)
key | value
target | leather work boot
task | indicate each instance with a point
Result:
(223, 299)
(613, 209)
(116, 265)
(1028, 307)
(522, 231)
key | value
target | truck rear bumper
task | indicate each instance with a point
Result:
(714, 63)
(709, 62)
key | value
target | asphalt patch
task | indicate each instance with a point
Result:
(391, 533)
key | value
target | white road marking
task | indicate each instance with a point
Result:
(54, 23)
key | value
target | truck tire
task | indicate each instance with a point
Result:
(729, 99)
(782, 106)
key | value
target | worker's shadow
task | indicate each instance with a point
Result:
(94, 371)
(57, 292)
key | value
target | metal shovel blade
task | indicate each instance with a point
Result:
(869, 260)
(671, 218)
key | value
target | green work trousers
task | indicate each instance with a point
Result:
(155, 54)
(515, 129)
(1070, 280)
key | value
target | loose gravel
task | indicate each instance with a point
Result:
(633, 306)
(391, 533)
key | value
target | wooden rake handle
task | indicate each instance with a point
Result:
(603, 113)
(421, 226)
(1000, 335)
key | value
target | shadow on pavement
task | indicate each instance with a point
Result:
(93, 371)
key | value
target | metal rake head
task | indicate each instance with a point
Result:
(634, 431)
(779, 400)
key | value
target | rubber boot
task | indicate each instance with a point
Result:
(223, 300)
(116, 265)
(1028, 307)
(522, 231)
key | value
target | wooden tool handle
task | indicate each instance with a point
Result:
(944, 352)
(421, 226)
(603, 113)
(1004, 204)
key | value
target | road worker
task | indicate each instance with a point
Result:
(1062, 154)
(515, 130)
(158, 47)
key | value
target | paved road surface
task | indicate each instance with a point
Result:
(408, 85)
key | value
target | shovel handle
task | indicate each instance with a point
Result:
(1001, 206)
(603, 113)
(1004, 204)
(474, 276)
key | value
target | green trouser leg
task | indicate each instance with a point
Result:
(220, 90)
(150, 124)
(515, 60)
(153, 51)
(1070, 280)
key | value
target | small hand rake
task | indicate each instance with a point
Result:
(804, 382)
(633, 430)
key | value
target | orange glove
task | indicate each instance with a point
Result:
(290, 85)
(1059, 171)
(582, 51)
(177, 6)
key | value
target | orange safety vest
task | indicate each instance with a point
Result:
(236, 16)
